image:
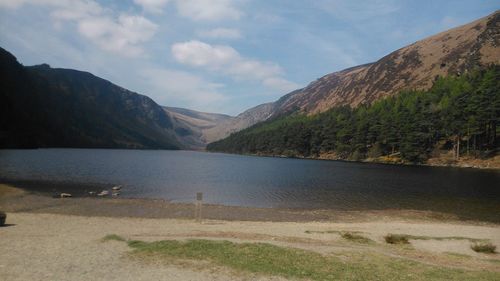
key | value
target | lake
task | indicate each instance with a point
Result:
(253, 181)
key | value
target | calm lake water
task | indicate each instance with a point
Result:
(252, 181)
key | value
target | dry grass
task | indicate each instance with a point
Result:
(405, 238)
(113, 237)
(355, 238)
(396, 239)
(484, 247)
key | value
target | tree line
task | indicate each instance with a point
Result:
(458, 113)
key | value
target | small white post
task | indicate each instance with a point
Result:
(199, 203)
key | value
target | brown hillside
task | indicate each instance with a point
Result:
(416, 66)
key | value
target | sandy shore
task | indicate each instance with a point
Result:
(63, 247)
(54, 239)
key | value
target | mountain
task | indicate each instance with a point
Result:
(191, 126)
(243, 120)
(196, 129)
(420, 102)
(456, 119)
(42, 106)
(46, 107)
(416, 66)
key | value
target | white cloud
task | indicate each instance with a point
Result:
(152, 6)
(208, 10)
(119, 33)
(226, 60)
(196, 53)
(220, 33)
(197, 10)
(74, 10)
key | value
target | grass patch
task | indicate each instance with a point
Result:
(113, 237)
(484, 247)
(396, 239)
(414, 237)
(355, 237)
(404, 238)
(262, 258)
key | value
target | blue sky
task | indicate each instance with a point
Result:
(220, 55)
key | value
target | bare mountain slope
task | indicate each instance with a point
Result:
(243, 120)
(413, 67)
(190, 125)
(196, 129)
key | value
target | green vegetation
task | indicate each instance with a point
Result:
(396, 239)
(457, 113)
(484, 247)
(113, 237)
(268, 259)
(355, 237)
(418, 237)
(404, 238)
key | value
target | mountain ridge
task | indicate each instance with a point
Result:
(57, 107)
(415, 66)
(191, 125)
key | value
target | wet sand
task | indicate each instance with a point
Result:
(13, 199)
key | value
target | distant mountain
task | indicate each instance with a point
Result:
(45, 107)
(196, 129)
(234, 124)
(191, 126)
(417, 66)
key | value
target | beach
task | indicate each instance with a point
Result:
(61, 239)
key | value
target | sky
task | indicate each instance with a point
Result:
(220, 56)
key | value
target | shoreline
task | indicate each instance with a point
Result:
(469, 163)
(431, 162)
(16, 199)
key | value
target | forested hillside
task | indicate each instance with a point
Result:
(458, 113)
